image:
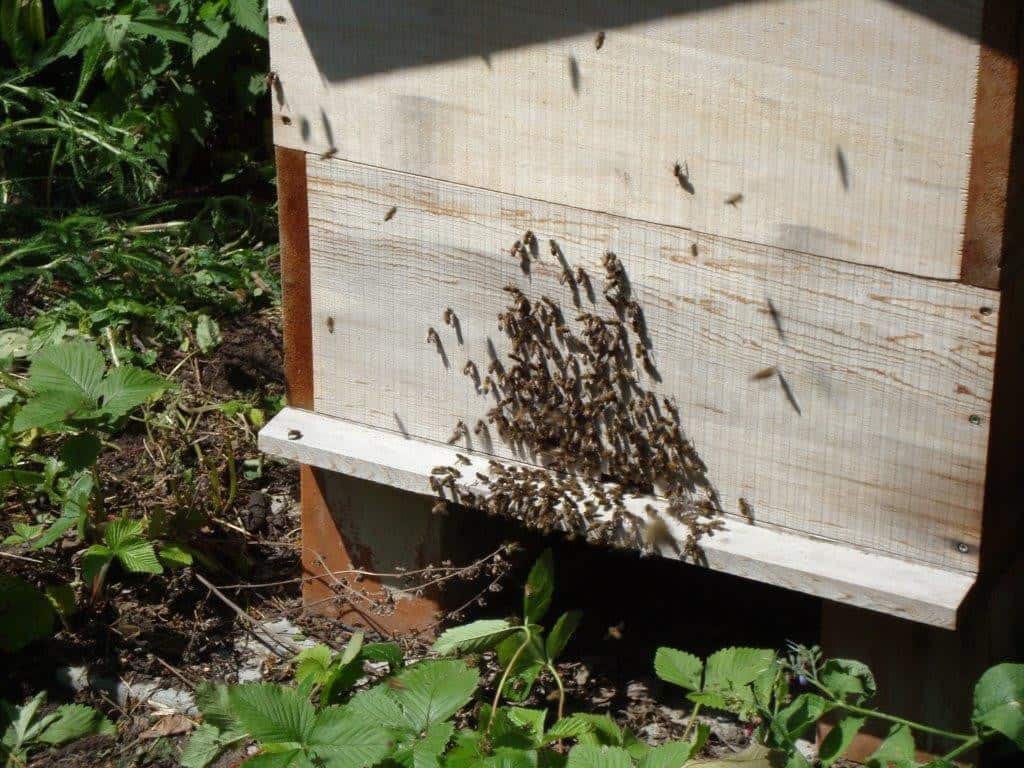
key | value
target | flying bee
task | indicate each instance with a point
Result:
(747, 510)
(734, 200)
(271, 79)
(599, 40)
(460, 430)
(391, 213)
(440, 508)
(480, 427)
(330, 325)
(764, 373)
(395, 684)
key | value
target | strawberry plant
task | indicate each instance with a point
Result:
(23, 730)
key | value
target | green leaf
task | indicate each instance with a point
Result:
(50, 409)
(214, 701)
(59, 527)
(848, 680)
(568, 728)
(376, 705)
(73, 722)
(139, 557)
(474, 637)
(207, 333)
(122, 531)
(343, 740)
(999, 702)
(175, 556)
(426, 750)
(897, 750)
(672, 754)
(22, 534)
(527, 666)
(561, 633)
(272, 713)
(207, 37)
(839, 739)
(800, 714)
(152, 24)
(62, 599)
(289, 758)
(203, 747)
(540, 586)
(114, 29)
(603, 730)
(250, 15)
(340, 678)
(93, 560)
(530, 719)
(25, 614)
(313, 664)
(351, 649)
(73, 367)
(126, 387)
(588, 756)
(387, 652)
(731, 668)
(80, 451)
(432, 691)
(679, 668)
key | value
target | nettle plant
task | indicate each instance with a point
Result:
(410, 718)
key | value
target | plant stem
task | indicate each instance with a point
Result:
(561, 689)
(968, 745)
(692, 722)
(505, 674)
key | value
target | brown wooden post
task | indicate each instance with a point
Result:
(342, 517)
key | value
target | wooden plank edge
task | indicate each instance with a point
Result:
(992, 145)
(829, 570)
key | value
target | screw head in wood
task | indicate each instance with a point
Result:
(962, 548)
(975, 419)
(986, 311)
(294, 434)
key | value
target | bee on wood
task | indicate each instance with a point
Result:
(734, 200)
(462, 459)
(460, 430)
(530, 240)
(480, 427)
(746, 510)
(294, 434)
(482, 477)
(439, 470)
(555, 250)
(514, 250)
(449, 316)
(469, 369)
(764, 373)
(693, 250)
(329, 153)
(330, 325)
(391, 213)
(432, 337)
(271, 79)
(440, 508)
(599, 40)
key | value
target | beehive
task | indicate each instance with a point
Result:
(816, 188)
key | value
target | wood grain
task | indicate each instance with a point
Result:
(918, 592)
(845, 124)
(888, 369)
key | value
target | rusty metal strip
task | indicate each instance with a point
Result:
(990, 190)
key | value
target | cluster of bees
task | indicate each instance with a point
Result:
(569, 395)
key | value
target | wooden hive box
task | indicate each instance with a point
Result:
(838, 213)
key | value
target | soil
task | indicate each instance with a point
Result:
(173, 631)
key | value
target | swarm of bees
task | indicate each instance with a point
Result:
(568, 395)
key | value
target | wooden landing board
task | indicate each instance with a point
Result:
(889, 585)
(887, 369)
(845, 124)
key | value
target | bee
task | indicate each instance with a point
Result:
(391, 213)
(440, 508)
(764, 373)
(294, 434)
(432, 337)
(514, 250)
(693, 250)
(469, 369)
(449, 316)
(271, 79)
(280, 19)
(599, 40)
(330, 325)
(460, 430)
(531, 242)
(462, 459)
(555, 250)
(329, 153)
(734, 200)
(580, 275)
(440, 470)
(482, 477)
(746, 510)
(395, 684)
(615, 631)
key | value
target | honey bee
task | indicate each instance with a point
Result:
(480, 427)
(294, 434)
(734, 200)
(482, 477)
(391, 213)
(764, 373)
(746, 510)
(271, 79)
(449, 316)
(599, 40)
(460, 430)
(469, 369)
(330, 325)
(514, 250)
(432, 337)
(693, 250)
(615, 631)
(329, 153)
(462, 459)
(531, 242)
(440, 508)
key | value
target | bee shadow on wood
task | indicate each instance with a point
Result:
(278, 89)
(441, 352)
(304, 128)
(844, 169)
(575, 77)
(400, 424)
(325, 124)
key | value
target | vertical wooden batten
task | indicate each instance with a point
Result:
(995, 136)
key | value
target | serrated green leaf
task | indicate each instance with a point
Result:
(250, 15)
(122, 531)
(22, 533)
(341, 739)
(473, 638)
(351, 649)
(175, 555)
(386, 652)
(561, 633)
(50, 409)
(838, 740)
(73, 367)
(139, 557)
(530, 719)
(603, 730)
(848, 680)
(425, 751)
(672, 754)
(57, 529)
(679, 668)
(433, 691)
(93, 561)
(207, 333)
(272, 713)
(731, 668)
(203, 747)
(340, 679)
(800, 714)
(289, 758)
(568, 728)
(898, 750)
(210, 34)
(25, 614)
(313, 664)
(540, 586)
(62, 599)
(999, 702)
(377, 706)
(589, 756)
(114, 29)
(214, 701)
(80, 451)
(126, 388)
(73, 721)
